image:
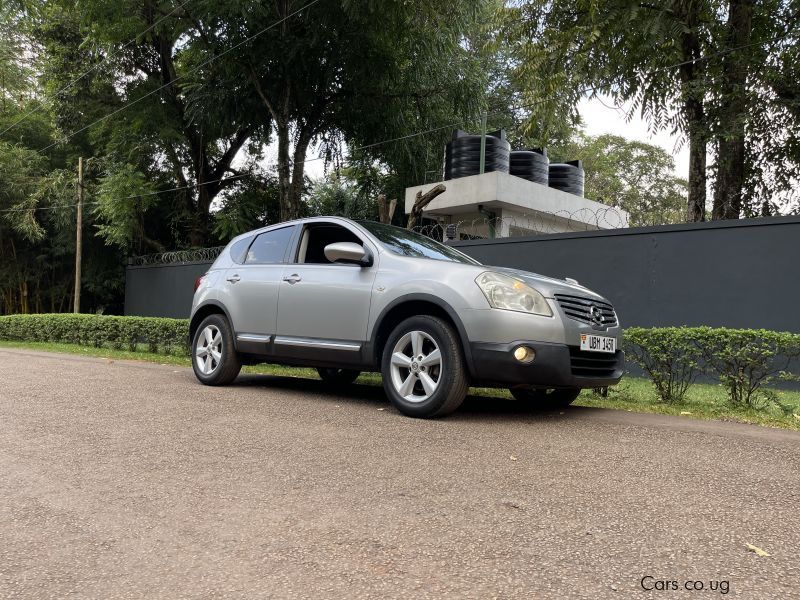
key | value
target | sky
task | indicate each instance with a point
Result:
(601, 116)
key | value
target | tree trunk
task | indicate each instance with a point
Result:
(298, 172)
(733, 113)
(199, 233)
(696, 205)
(284, 171)
(421, 201)
(205, 164)
(691, 73)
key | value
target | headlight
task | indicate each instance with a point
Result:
(508, 293)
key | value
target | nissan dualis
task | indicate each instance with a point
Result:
(350, 296)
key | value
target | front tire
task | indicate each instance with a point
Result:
(546, 399)
(214, 357)
(423, 368)
(338, 376)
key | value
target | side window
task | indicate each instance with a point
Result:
(316, 237)
(269, 247)
(239, 250)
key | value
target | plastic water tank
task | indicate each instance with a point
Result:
(463, 154)
(567, 177)
(532, 165)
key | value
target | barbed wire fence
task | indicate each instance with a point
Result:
(539, 223)
(176, 256)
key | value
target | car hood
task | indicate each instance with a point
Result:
(549, 286)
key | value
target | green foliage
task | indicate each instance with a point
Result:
(251, 203)
(634, 176)
(743, 360)
(120, 217)
(685, 67)
(670, 357)
(161, 335)
(335, 195)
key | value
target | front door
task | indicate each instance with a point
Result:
(321, 304)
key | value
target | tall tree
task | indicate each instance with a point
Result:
(358, 71)
(697, 67)
(37, 213)
(647, 54)
(151, 59)
(733, 103)
(635, 176)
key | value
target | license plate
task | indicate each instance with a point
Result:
(598, 343)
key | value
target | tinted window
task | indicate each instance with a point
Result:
(239, 250)
(407, 243)
(269, 247)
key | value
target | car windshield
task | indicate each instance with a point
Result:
(407, 243)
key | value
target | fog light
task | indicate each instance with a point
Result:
(524, 354)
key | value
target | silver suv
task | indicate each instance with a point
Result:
(347, 297)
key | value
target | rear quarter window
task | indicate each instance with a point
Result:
(239, 249)
(269, 247)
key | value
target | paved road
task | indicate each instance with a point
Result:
(129, 480)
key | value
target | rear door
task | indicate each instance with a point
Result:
(251, 289)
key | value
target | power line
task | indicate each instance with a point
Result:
(94, 68)
(133, 197)
(182, 75)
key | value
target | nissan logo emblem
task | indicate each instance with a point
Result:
(596, 315)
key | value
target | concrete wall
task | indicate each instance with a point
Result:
(497, 192)
(736, 274)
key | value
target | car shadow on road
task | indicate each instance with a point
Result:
(475, 407)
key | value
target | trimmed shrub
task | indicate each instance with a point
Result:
(669, 355)
(164, 336)
(745, 360)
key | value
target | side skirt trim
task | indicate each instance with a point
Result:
(252, 337)
(316, 343)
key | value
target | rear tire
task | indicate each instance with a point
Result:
(546, 399)
(423, 368)
(214, 357)
(337, 376)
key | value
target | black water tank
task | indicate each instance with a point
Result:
(532, 165)
(567, 177)
(462, 155)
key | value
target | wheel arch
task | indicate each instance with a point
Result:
(408, 306)
(206, 309)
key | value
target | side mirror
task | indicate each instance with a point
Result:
(348, 252)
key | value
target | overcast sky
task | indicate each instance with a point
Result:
(601, 116)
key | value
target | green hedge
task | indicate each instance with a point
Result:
(166, 336)
(742, 360)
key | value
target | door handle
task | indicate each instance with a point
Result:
(234, 278)
(293, 278)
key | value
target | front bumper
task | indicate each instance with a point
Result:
(555, 366)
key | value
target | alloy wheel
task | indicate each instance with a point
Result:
(208, 349)
(416, 366)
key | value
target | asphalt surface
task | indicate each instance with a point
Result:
(129, 480)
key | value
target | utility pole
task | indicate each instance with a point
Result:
(78, 240)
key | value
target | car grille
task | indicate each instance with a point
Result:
(592, 364)
(578, 308)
